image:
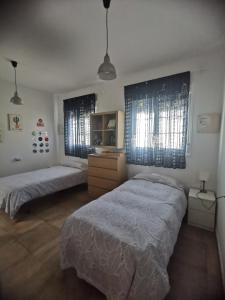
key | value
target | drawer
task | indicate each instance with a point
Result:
(102, 183)
(105, 163)
(104, 173)
(202, 205)
(96, 192)
(201, 219)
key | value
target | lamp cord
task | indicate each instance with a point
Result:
(15, 80)
(203, 203)
(107, 31)
(220, 197)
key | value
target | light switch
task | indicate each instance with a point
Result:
(17, 158)
(1, 135)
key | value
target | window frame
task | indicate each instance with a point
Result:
(167, 91)
(75, 110)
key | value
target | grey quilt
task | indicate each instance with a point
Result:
(121, 243)
(15, 190)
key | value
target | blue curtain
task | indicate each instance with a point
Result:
(77, 125)
(156, 117)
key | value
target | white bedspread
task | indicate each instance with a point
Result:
(18, 189)
(121, 243)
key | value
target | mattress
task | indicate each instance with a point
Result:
(121, 243)
(15, 190)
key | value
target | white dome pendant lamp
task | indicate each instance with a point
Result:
(107, 71)
(15, 99)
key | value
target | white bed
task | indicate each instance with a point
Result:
(121, 243)
(15, 190)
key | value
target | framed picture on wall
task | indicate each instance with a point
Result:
(15, 122)
(40, 123)
(208, 123)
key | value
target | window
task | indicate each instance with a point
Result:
(145, 137)
(77, 125)
(156, 121)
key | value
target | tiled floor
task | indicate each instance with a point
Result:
(29, 256)
(194, 268)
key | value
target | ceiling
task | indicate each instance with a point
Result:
(60, 44)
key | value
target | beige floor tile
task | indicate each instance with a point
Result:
(38, 237)
(25, 279)
(59, 220)
(74, 203)
(54, 289)
(11, 253)
(49, 256)
(51, 213)
(25, 225)
(29, 256)
(5, 237)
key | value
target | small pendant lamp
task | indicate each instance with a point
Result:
(107, 71)
(15, 99)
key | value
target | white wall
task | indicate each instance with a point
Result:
(19, 144)
(221, 192)
(206, 90)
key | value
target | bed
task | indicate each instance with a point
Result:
(15, 190)
(121, 243)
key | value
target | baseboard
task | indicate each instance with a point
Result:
(221, 259)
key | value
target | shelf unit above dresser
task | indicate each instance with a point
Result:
(107, 129)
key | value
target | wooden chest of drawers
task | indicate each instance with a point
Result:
(105, 172)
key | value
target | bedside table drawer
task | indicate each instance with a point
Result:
(201, 219)
(205, 206)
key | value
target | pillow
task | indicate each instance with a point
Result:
(159, 178)
(76, 164)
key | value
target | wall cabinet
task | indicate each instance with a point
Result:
(107, 129)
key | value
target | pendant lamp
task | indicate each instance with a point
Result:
(107, 70)
(15, 99)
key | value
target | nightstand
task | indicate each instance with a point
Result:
(201, 209)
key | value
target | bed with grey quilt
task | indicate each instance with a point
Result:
(121, 243)
(16, 190)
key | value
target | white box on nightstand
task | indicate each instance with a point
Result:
(201, 209)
